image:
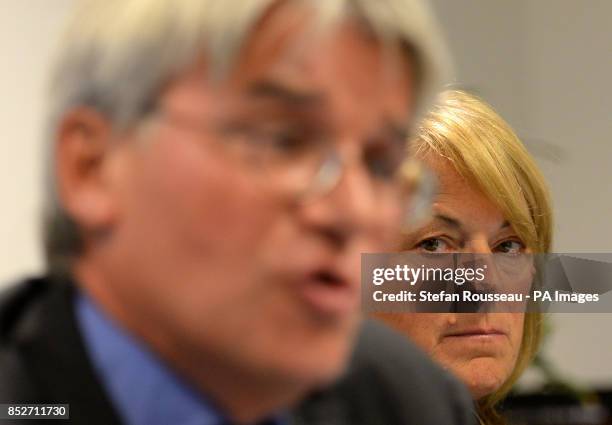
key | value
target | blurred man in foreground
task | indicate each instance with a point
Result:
(215, 170)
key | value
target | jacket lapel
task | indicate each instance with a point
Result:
(57, 361)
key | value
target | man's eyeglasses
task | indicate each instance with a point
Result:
(303, 161)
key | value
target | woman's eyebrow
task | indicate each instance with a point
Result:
(453, 222)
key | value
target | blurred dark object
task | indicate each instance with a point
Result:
(559, 408)
(560, 400)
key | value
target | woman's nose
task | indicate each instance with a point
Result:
(478, 245)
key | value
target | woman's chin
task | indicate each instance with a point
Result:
(483, 376)
(481, 390)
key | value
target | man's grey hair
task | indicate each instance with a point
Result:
(118, 54)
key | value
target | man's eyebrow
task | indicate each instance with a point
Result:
(283, 92)
(393, 131)
(505, 224)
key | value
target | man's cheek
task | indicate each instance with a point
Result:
(391, 218)
(386, 239)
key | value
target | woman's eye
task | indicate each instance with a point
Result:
(510, 247)
(432, 245)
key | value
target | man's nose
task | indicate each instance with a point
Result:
(350, 209)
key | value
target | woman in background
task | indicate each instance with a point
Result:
(491, 199)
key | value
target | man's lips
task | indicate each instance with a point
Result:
(328, 292)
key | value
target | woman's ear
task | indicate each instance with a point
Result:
(82, 151)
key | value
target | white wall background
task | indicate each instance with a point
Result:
(545, 65)
(29, 32)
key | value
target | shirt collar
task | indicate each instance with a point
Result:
(143, 389)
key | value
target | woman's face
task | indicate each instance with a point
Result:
(480, 348)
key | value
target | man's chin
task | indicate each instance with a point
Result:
(308, 367)
(324, 368)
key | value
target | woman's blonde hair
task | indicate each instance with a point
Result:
(484, 150)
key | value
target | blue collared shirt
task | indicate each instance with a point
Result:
(143, 389)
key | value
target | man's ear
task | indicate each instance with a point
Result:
(82, 151)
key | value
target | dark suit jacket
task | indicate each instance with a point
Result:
(43, 360)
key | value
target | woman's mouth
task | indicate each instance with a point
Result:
(480, 334)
